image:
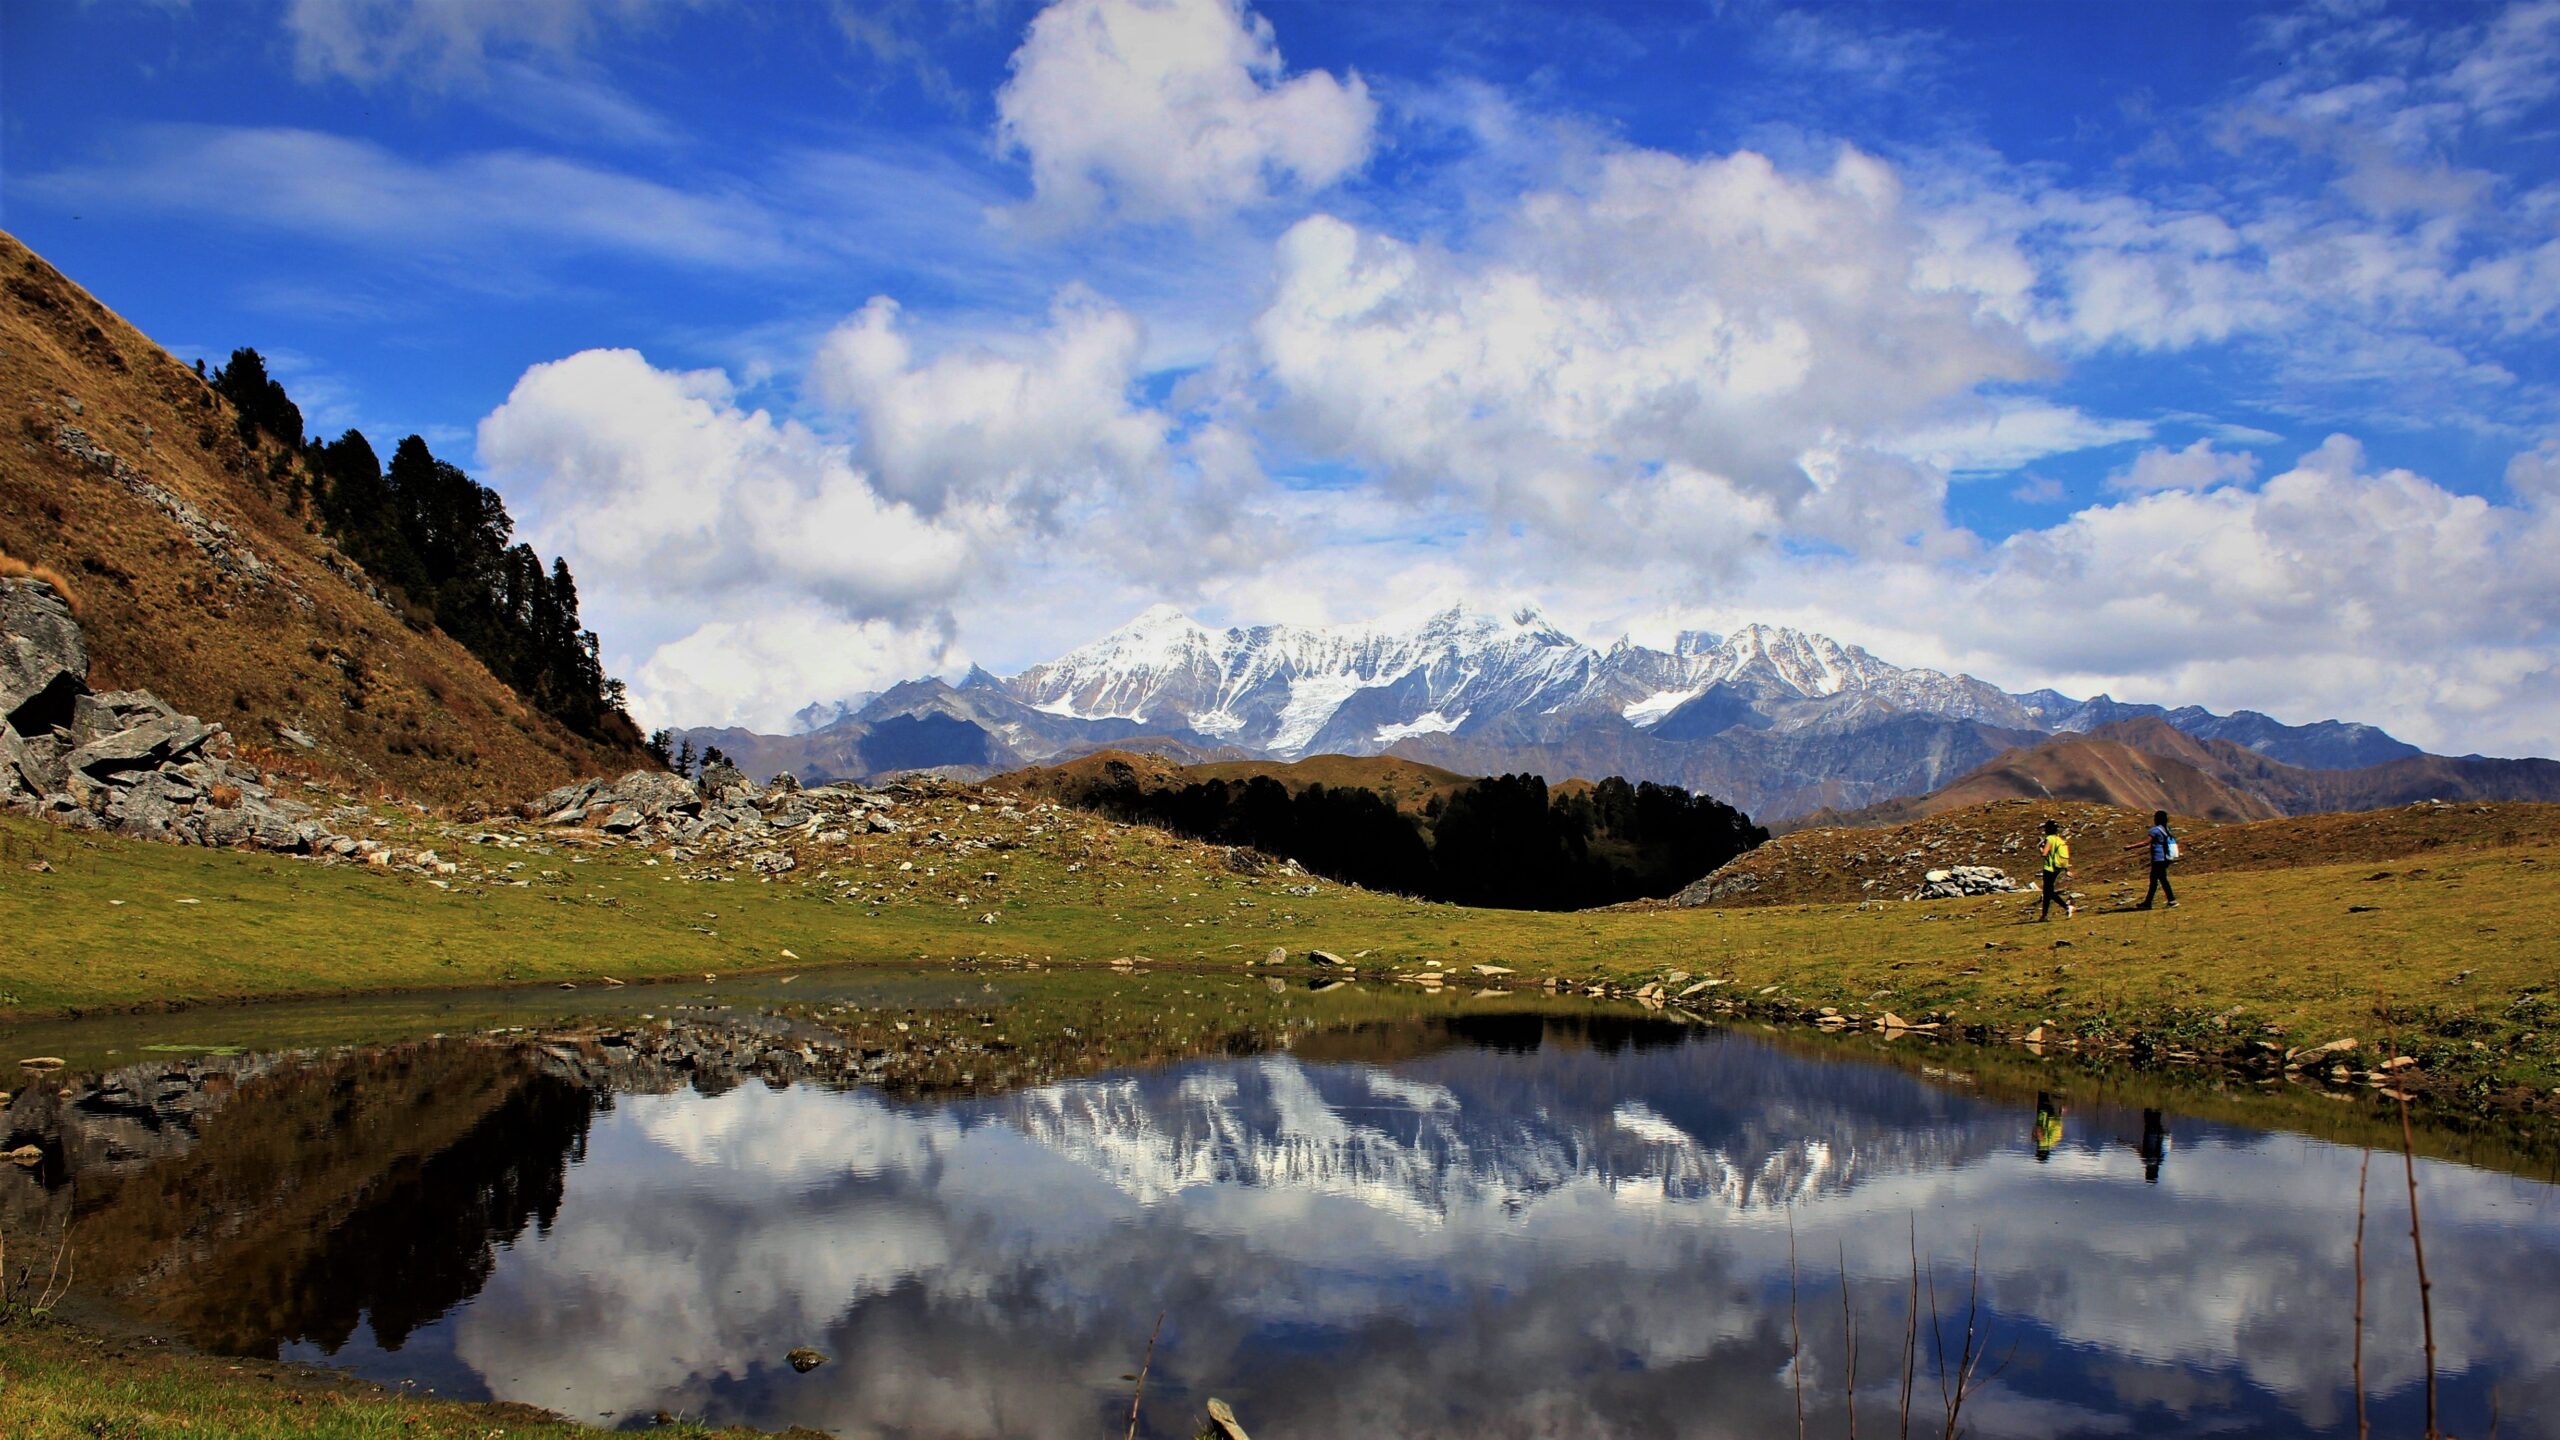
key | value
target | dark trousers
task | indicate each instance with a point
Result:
(2160, 884)
(2052, 893)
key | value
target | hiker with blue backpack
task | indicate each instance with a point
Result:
(2164, 851)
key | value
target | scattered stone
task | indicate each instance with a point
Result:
(42, 1062)
(805, 1359)
(1959, 881)
(26, 1155)
(1327, 957)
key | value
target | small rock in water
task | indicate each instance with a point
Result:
(26, 1155)
(805, 1359)
(42, 1062)
(1222, 1417)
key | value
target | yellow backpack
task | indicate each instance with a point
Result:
(2057, 853)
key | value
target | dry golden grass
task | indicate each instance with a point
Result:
(13, 568)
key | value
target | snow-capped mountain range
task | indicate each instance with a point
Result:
(1778, 721)
(1293, 690)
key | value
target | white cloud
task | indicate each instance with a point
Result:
(2516, 66)
(2331, 590)
(979, 426)
(1718, 318)
(749, 565)
(758, 669)
(435, 41)
(659, 477)
(1996, 436)
(2198, 467)
(481, 205)
(743, 565)
(1171, 109)
(2534, 476)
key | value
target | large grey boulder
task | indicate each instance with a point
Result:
(720, 782)
(96, 716)
(652, 792)
(14, 783)
(156, 805)
(158, 741)
(44, 659)
(42, 761)
(621, 805)
(564, 805)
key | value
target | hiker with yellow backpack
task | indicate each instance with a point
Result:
(2057, 872)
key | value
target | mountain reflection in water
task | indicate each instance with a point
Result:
(1530, 1226)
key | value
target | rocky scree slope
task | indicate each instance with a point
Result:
(122, 760)
(203, 578)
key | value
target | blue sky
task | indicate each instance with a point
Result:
(2194, 353)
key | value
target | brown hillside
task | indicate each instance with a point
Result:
(1102, 767)
(2140, 765)
(198, 580)
(1835, 864)
(1407, 784)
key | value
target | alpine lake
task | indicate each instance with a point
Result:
(988, 1200)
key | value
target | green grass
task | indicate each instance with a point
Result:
(62, 1382)
(2454, 963)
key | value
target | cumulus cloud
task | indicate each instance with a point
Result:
(755, 565)
(1171, 109)
(1041, 435)
(978, 426)
(2334, 589)
(782, 572)
(764, 666)
(1717, 318)
(2534, 476)
(659, 476)
(2198, 467)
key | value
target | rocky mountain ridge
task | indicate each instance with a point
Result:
(1780, 721)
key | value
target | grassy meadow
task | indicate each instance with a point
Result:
(2452, 962)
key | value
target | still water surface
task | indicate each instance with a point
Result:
(1522, 1225)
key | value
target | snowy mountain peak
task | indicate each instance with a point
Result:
(1296, 689)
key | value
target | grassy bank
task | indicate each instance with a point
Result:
(2449, 959)
(65, 1382)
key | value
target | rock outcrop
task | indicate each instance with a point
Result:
(1957, 881)
(719, 810)
(121, 760)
